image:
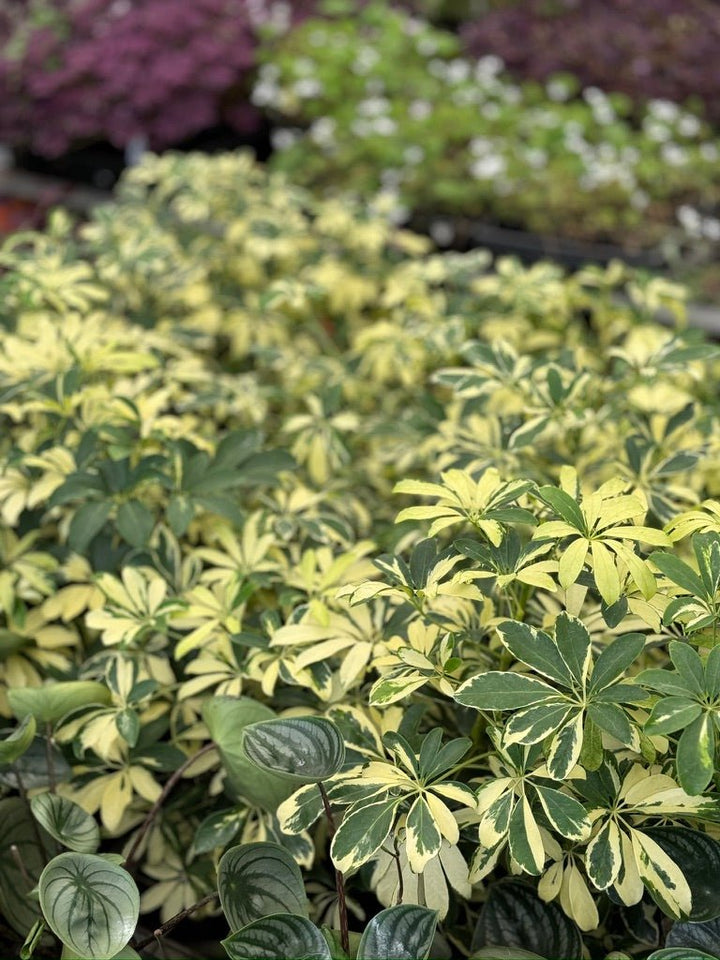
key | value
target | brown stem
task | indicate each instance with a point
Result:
(401, 886)
(174, 921)
(50, 761)
(153, 811)
(339, 880)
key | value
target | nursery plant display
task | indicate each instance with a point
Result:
(363, 593)
(382, 99)
(117, 71)
(664, 50)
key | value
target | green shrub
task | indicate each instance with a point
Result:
(321, 550)
(379, 98)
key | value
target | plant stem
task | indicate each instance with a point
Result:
(401, 885)
(154, 810)
(50, 761)
(421, 890)
(339, 880)
(174, 921)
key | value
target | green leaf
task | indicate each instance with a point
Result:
(14, 746)
(362, 832)
(503, 691)
(603, 856)
(526, 844)
(403, 932)
(504, 953)
(91, 905)
(613, 720)
(514, 916)
(52, 702)
(566, 814)
(258, 880)
(307, 748)
(128, 723)
(536, 723)
(127, 953)
(565, 748)
(536, 649)
(698, 856)
(671, 714)
(573, 642)
(134, 523)
(226, 718)
(179, 513)
(87, 522)
(665, 681)
(695, 755)
(17, 828)
(33, 939)
(615, 659)
(66, 822)
(218, 829)
(688, 664)
(423, 837)
(697, 937)
(679, 572)
(300, 811)
(282, 936)
(33, 768)
(564, 506)
(681, 953)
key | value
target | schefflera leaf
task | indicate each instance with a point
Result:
(281, 936)
(257, 880)
(90, 904)
(66, 822)
(403, 932)
(306, 748)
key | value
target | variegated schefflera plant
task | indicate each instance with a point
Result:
(217, 399)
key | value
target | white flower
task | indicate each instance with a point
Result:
(284, 138)
(674, 155)
(307, 87)
(690, 220)
(420, 109)
(373, 106)
(711, 228)
(413, 154)
(688, 125)
(656, 131)
(322, 131)
(664, 110)
(265, 94)
(458, 71)
(488, 167)
(709, 151)
(365, 60)
(536, 158)
(481, 146)
(557, 90)
(488, 66)
(385, 126)
(639, 199)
